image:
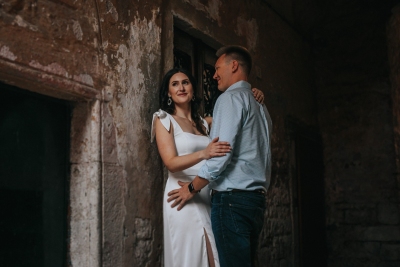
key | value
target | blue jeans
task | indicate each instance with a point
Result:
(237, 219)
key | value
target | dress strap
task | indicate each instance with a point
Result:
(165, 120)
(205, 123)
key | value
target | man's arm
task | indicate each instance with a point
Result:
(183, 195)
(226, 123)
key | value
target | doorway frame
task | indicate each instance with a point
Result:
(296, 129)
(84, 216)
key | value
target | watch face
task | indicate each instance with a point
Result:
(191, 188)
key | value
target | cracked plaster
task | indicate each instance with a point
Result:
(6, 53)
(212, 9)
(132, 81)
(249, 29)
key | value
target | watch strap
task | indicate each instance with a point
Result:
(191, 188)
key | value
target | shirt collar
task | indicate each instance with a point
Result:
(239, 84)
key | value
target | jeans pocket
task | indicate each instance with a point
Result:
(244, 217)
(246, 211)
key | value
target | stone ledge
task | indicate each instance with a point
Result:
(44, 83)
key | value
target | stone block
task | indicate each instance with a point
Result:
(389, 264)
(388, 213)
(351, 262)
(109, 141)
(85, 132)
(143, 228)
(264, 255)
(85, 214)
(380, 233)
(362, 250)
(390, 252)
(113, 213)
(360, 216)
(284, 263)
(85, 191)
(85, 243)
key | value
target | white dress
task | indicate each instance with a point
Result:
(184, 230)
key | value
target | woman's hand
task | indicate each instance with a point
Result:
(216, 149)
(258, 95)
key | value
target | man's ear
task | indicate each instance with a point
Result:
(235, 66)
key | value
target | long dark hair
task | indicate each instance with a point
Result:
(195, 104)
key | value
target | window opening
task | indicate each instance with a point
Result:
(194, 55)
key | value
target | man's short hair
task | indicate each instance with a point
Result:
(238, 53)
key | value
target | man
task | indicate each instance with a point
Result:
(239, 179)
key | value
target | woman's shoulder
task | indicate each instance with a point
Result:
(165, 119)
(162, 114)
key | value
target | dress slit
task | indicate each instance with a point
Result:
(210, 254)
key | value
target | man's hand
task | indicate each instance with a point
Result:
(181, 195)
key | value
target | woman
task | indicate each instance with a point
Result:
(183, 144)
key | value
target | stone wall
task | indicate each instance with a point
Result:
(107, 58)
(393, 33)
(287, 79)
(356, 121)
(392, 212)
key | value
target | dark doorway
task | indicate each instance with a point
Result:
(34, 156)
(309, 198)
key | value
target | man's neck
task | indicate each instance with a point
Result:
(238, 77)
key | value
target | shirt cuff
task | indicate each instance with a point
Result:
(205, 174)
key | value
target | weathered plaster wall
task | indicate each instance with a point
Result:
(106, 53)
(132, 174)
(66, 33)
(355, 116)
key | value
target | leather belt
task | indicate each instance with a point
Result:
(259, 191)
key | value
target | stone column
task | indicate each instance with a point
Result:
(85, 185)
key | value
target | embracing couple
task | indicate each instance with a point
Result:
(214, 198)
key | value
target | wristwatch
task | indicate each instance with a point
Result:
(191, 188)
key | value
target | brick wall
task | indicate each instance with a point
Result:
(356, 121)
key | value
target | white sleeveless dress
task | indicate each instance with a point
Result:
(184, 230)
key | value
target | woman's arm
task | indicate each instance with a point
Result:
(258, 95)
(173, 162)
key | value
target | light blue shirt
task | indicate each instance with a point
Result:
(239, 119)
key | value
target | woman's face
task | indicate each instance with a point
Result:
(180, 88)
